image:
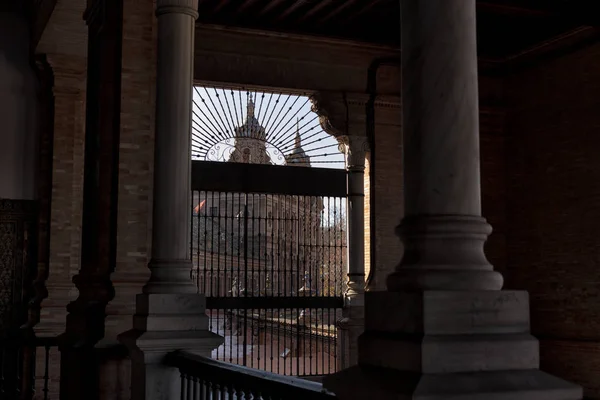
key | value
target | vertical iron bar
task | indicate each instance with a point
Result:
(227, 313)
(245, 276)
(212, 260)
(252, 293)
(198, 233)
(192, 235)
(298, 284)
(218, 237)
(323, 340)
(204, 273)
(238, 283)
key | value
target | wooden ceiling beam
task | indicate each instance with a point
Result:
(245, 5)
(363, 11)
(336, 11)
(222, 4)
(321, 5)
(297, 4)
(511, 10)
(271, 5)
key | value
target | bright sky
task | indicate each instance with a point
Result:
(218, 111)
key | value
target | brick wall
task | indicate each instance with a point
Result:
(387, 202)
(135, 164)
(553, 209)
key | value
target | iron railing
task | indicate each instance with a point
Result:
(207, 379)
(269, 252)
(18, 359)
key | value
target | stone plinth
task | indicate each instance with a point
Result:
(164, 323)
(448, 345)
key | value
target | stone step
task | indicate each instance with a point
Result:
(358, 383)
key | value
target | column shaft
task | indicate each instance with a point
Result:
(440, 108)
(355, 148)
(170, 265)
(442, 231)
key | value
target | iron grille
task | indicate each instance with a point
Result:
(270, 255)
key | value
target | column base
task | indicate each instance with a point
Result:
(165, 323)
(350, 327)
(448, 345)
(444, 252)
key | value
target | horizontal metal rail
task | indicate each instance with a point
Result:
(204, 378)
(259, 178)
(297, 302)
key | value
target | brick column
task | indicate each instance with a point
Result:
(67, 190)
(444, 329)
(170, 314)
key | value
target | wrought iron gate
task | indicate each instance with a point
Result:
(269, 251)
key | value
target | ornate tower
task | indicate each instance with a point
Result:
(250, 140)
(298, 157)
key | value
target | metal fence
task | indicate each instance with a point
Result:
(272, 265)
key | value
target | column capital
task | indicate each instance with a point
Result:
(331, 109)
(189, 7)
(355, 149)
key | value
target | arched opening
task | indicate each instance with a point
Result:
(268, 242)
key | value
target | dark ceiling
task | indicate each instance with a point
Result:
(505, 27)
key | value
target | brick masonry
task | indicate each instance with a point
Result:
(135, 164)
(387, 191)
(553, 209)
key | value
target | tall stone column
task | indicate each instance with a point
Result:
(444, 329)
(170, 315)
(352, 323)
(443, 232)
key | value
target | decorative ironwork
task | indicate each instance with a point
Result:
(18, 229)
(272, 265)
(259, 128)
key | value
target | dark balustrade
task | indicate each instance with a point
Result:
(207, 379)
(18, 359)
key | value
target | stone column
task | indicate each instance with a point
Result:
(444, 329)
(170, 315)
(443, 232)
(352, 323)
(355, 149)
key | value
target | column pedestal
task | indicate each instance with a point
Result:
(448, 345)
(164, 323)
